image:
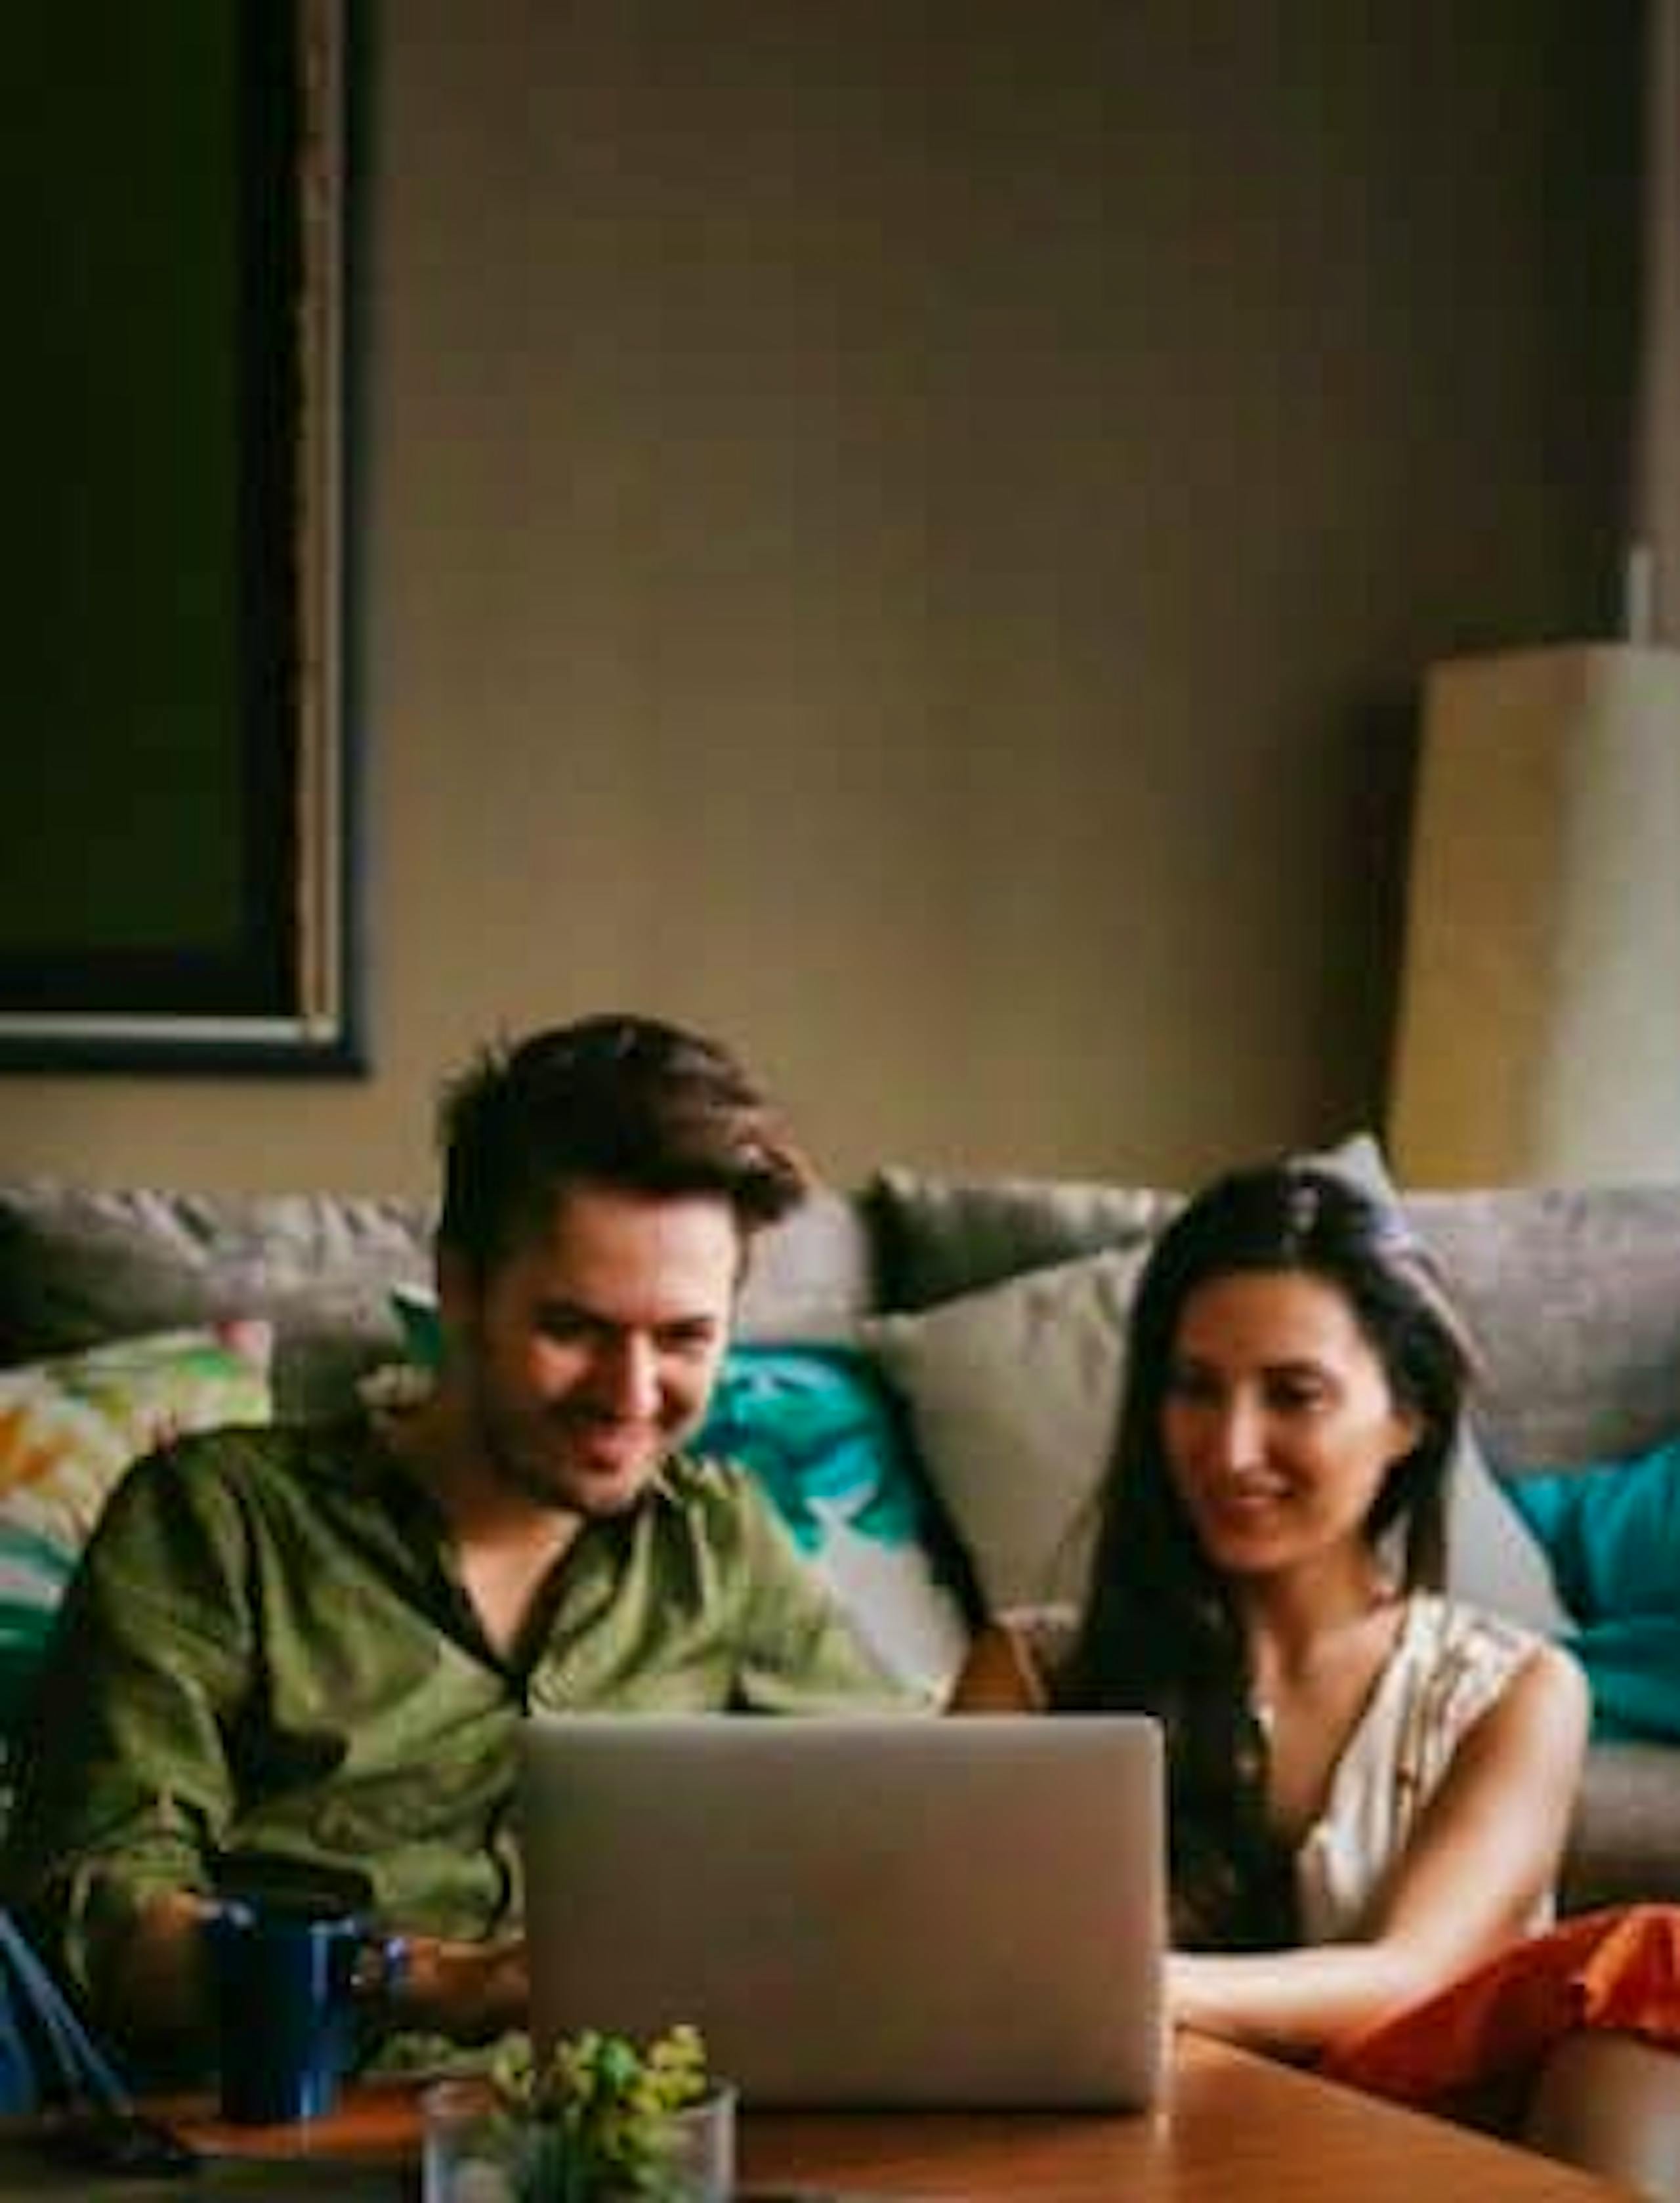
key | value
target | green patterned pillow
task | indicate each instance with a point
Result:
(33, 1572)
(70, 1427)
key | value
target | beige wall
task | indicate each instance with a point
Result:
(908, 534)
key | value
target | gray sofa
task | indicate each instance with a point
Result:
(998, 1297)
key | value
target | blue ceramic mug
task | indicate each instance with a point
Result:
(292, 1992)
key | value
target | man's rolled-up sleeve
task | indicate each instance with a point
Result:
(123, 1786)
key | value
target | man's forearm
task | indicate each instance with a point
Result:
(157, 1983)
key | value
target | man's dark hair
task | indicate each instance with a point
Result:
(613, 1099)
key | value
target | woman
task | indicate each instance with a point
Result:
(1371, 1785)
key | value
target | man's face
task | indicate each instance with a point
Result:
(589, 1352)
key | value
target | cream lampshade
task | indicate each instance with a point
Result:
(1539, 1031)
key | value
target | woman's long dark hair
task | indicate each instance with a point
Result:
(1157, 1631)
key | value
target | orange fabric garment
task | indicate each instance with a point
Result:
(1473, 2051)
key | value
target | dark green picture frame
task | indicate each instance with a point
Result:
(183, 892)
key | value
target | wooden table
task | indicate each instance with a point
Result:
(1236, 2129)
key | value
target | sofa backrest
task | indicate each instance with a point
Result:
(814, 1276)
(80, 1265)
(1573, 1298)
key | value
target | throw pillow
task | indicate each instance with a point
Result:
(1014, 1393)
(1611, 1530)
(1632, 1666)
(942, 1237)
(1492, 1558)
(818, 1429)
(80, 1265)
(69, 1428)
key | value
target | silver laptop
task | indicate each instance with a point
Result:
(858, 1910)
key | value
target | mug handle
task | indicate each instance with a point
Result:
(381, 1967)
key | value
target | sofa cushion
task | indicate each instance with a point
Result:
(1492, 1558)
(1013, 1393)
(812, 1277)
(1611, 1530)
(80, 1264)
(1622, 1847)
(69, 1428)
(940, 1237)
(1632, 1665)
(1573, 1296)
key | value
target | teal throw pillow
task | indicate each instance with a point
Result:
(1632, 1666)
(1611, 1532)
(818, 1428)
(416, 1309)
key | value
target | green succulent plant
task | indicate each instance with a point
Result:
(599, 2111)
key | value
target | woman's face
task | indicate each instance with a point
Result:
(1278, 1420)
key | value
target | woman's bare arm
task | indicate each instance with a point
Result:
(999, 1674)
(1486, 1850)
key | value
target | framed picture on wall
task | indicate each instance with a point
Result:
(180, 891)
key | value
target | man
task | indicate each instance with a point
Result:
(298, 1658)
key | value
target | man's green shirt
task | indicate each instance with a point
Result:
(267, 1663)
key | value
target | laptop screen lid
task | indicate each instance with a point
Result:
(857, 1910)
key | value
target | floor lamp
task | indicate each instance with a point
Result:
(1539, 1031)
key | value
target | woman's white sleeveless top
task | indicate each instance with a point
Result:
(1449, 1664)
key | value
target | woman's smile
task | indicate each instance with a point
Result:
(1278, 1423)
